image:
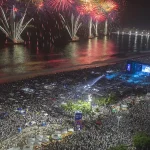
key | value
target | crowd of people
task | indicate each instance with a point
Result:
(37, 102)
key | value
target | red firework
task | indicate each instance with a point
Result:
(61, 5)
(40, 5)
(98, 16)
(86, 8)
(15, 9)
(109, 5)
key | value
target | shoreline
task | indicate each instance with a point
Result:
(24, 76)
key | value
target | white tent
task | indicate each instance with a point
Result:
(33, 122)
(56, 136)
(57, 132)
(27, 124)
(125, 106)
(71, 130)
(45, 114)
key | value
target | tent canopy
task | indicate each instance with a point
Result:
(56, 136)
(71, 130)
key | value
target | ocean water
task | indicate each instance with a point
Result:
(28, 59)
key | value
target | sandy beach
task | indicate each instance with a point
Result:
(21, 76)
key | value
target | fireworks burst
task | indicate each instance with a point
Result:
(98, 17)
(60, 5)
(86, 8)
(73, 29)
(108, 6)
(14, 29)
(46, 15)
(38, 3)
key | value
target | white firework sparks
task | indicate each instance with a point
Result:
(73, 29)
(106, 27)
(96, 28)
(13, 29)
(90, 28)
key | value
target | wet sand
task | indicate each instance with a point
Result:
(22, 76)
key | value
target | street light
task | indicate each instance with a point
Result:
(119, 117)
(90, 100)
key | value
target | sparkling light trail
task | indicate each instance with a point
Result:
(13, 29)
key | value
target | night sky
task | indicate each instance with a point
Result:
(136, 14)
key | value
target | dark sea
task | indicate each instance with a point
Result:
(20, 60)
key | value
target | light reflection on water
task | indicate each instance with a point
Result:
(20, 59)
(135, 44)
(129, 42)
(147, 43)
